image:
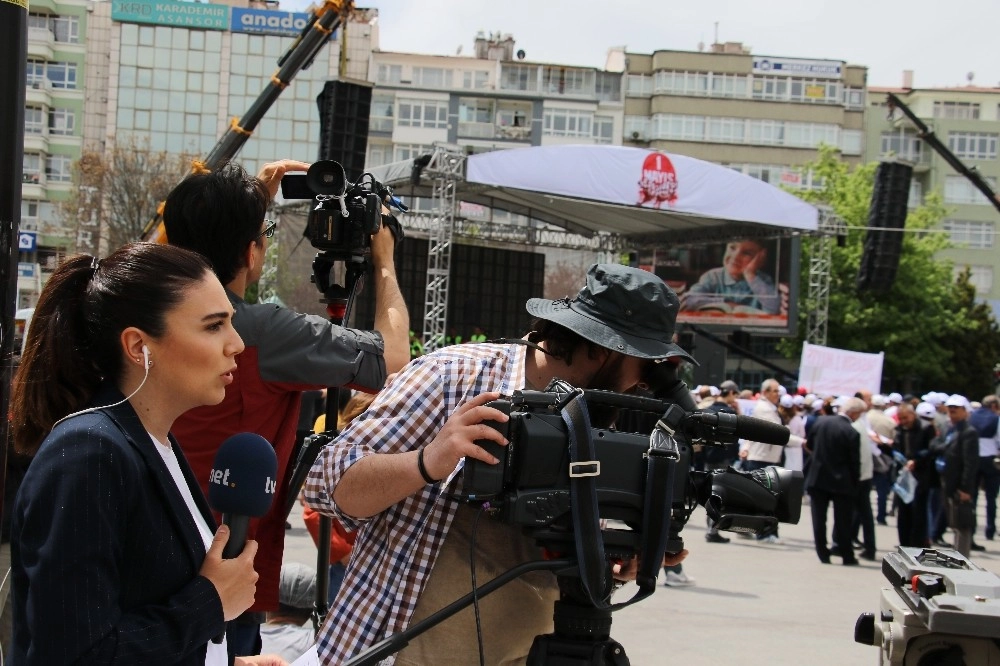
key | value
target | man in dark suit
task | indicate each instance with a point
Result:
(961, 454)
(833, 476)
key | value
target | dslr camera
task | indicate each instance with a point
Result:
(940, 609)
(344, 215)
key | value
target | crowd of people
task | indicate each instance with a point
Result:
(138, 366)
(927, 460)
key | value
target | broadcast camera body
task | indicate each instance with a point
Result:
(344, 215)
(941, 610)
(531, 487)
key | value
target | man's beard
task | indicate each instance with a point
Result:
(607, 378)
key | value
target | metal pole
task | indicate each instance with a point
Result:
(13, 43)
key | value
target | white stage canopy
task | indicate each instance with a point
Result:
(639, 194)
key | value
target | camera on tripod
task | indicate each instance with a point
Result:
(344, 215)
(530, 486)
(941, 608)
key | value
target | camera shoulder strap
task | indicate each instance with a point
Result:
(584, 467)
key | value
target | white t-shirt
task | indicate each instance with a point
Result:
(217, 653)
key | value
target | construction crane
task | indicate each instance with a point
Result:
(323, 21)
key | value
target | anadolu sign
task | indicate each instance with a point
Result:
(266, 22)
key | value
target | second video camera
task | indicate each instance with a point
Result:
(344, 215)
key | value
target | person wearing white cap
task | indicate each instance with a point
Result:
(958, 480)
(892, 409)
(797, 428)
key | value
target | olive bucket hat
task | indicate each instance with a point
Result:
(623, 309)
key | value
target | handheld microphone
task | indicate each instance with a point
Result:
(241, 486)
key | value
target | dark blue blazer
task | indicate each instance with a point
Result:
(105, 554)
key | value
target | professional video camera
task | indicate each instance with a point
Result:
(344, 215)
(531, 484)
(940, 610)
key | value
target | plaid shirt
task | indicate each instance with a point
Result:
(396, 549)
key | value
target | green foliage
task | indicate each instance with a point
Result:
(928, 326)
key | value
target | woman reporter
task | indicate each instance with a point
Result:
(110, 529)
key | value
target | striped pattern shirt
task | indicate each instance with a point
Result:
(396, 549)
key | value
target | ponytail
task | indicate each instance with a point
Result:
(56, 375)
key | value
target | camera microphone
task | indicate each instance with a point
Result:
(730, 427)
(241, 486)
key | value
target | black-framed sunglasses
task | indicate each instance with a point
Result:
(270, 226)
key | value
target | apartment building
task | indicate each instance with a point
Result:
(966, 120)
(491, 100)
(53, 135)
(764, 116)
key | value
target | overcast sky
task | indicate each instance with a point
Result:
(941, 41)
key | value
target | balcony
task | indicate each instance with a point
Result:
(40, 43)
(492, 131)
(32, 185)
(37, 93)
(36, 142)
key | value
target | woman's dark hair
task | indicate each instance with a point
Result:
(217, 215)
(73, 339)
(560, 341)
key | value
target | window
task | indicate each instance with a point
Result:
(405, 151)
(980, 277)
(34, 120)
(973, 235)
(852, 142)
(61, 74)
(567, 81)
(604, 129)
(378, 154)
(36, 73)
(519, 77)
(29, 215)
(475, 118)
(423, 113)
(391, 74)
(382, 110)
(32, 169)
(432, 77)
(608, 86)
(958, 190)
(639, 85)
(475, 80)
(637, 128)
(956, 110)
(61, 121)
(901, 144)
(64, 29)
(854, 98)
(58, 168)
(568, 122)
(973, 145)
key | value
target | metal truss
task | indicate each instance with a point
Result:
(445, 169)
(820, 269)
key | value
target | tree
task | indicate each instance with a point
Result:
(976, 343)
(917, 319)
(130, 181)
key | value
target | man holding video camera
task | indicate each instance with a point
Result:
(221, 215)
(394, 472)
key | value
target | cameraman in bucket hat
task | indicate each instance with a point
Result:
(394, 472)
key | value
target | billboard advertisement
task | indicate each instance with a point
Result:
(267, 22)
(171, 13)
(747, 284)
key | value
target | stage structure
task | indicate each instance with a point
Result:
(607, 198)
